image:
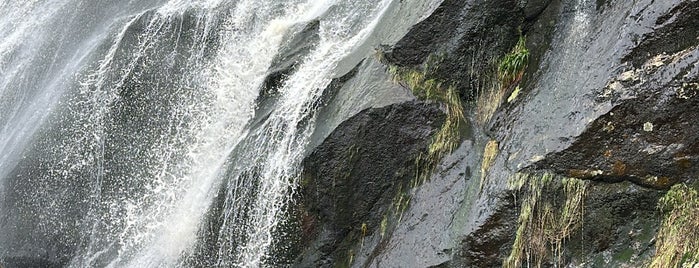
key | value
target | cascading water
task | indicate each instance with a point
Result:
(122, 123)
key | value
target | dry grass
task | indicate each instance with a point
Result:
(488, 102)
(542, 227)
(447, 139)
(489, 154)
(678, 238)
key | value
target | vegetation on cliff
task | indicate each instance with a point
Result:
(509, 73)
(678, 238)
(543, 226)
(424, 87)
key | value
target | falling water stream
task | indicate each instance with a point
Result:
(122, 123)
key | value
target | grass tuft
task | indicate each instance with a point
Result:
(543, 227)
(678, 238)
(510, 71)
(512, 66)
(489, 101)
(447, 139)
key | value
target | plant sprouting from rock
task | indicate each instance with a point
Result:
(424, 87)
(543, 227)
(510, 71)
(512, 66)
(678, 238)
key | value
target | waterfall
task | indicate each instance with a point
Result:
(121, 123)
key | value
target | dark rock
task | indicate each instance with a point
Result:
(616, 147)
(424, 236)
(676, 30)
(539, 31)
(466, 38)
(601, 4)
(533, 8)
(485, 246)
(621, 220)
(352, 177)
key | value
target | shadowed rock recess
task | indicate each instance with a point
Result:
(571, 170)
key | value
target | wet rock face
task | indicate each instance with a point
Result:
(466, 39)
(650, 137)
(423, 237)
(485, 246)
(676, 31)
(619, 226)
(653, 142)
(610, 95)
(647, 141)
(463, 37)
(351, 178)
(29, 262)
(292, 53)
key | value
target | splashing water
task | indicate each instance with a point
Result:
(122, 123)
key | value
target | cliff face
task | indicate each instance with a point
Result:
(561, 162)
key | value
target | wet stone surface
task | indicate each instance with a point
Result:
(351, 178)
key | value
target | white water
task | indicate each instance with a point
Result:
(282, 146)
(139, 129)
(19, 117)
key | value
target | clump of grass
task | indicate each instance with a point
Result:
(512, 66)
(523, 247)
(422, 84)
(489, 101)
(560, 227)
(489, 154)
(542, 227)
(447, 139)
(678, 238)
(510, 71)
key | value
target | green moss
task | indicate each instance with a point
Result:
(678, 239)
(624, 256)
(543, 226)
